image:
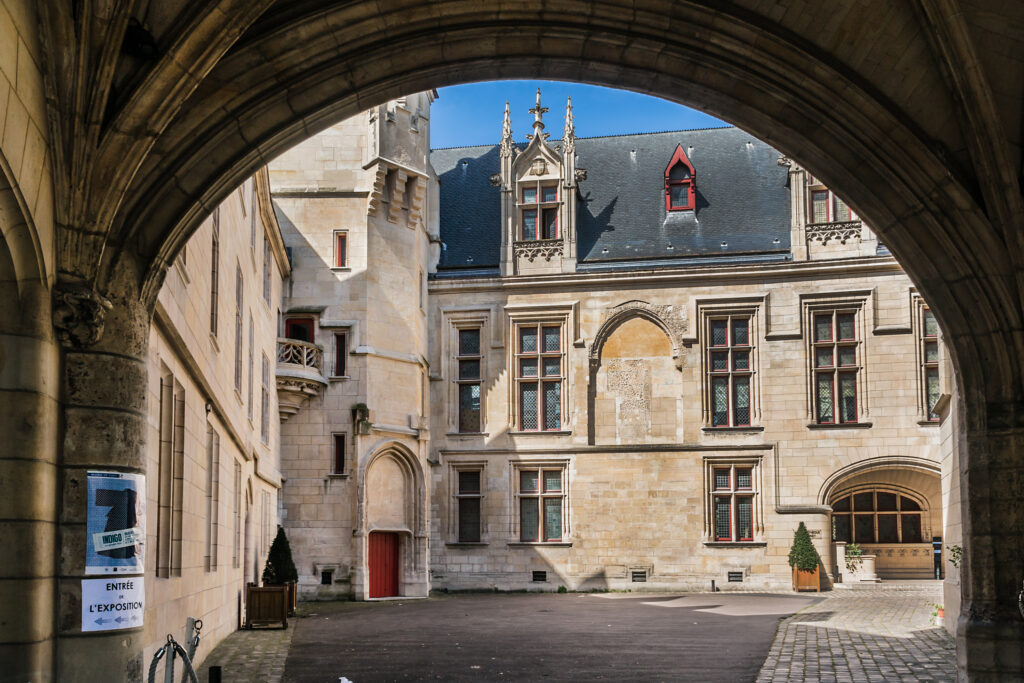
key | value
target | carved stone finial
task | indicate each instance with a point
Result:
(569, 136)
(785, 161)
(506, 134)
(538, 122)
(78, 316)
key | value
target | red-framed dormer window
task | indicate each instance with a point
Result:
(679, 182)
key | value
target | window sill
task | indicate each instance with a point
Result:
(553, 432)
(465, 544)
(338, 378)
(734, 430)
(454, 434)
(214, 342)
(736, 544)
(336, 475)
(342, 268)
(930, 423)
(548, 544)
(841, 425)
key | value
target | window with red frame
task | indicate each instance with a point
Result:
(299, 329)
(729, 363)
(469, 361)
(732, 502)
(827, 207)
(541, 497)
(836, 358)
(930, 362)
(538, 370)
(340, 249)
(538, 208)
(679, 182)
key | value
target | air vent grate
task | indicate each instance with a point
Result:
(640, 576)
(735, 577)
(540, 576)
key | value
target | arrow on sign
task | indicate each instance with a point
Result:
(103, 621)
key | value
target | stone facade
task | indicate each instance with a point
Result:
(222, 366)
(628, 453)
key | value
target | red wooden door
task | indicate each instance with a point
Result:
(383, 564)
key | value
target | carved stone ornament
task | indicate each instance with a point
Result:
(78, 316)
(785, 162)
(671, 319)
(534, 249)
(539, 167)
(495, 179)
(842, 231)
(581, 175)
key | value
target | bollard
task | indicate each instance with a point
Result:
(214, 674)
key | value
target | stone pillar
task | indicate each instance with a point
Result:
(990, 629)
(104, 409)
(29, 415)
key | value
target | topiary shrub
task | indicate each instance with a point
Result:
(280, 567)
(802, 554)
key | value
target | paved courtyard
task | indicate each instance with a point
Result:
(879, 634)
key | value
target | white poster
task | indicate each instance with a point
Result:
(109, 604)
(116, 523)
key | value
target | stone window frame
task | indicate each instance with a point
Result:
(343, 263)
(170, 476)
(517, 357)
(540, 206)
(566, 315)
(707, 312)
(455, 321)
(212, 498)
(456, 495)
(516, 467)
(834, 203)
(755, 492)
(340, 357)
(462, 358)
(838, 303)
(236, 546)
(925, 367)
(339, 438)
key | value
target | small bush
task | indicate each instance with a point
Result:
(562, 589)
(802, 554)
(280, 568)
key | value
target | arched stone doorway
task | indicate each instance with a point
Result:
(892, 509)
(391, 524)
(921, 153)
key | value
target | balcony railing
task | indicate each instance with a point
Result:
(304, 354)
(841, 231)
(300, 374)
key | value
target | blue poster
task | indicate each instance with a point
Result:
(116, 524)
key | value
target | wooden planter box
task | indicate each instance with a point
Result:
(265, 605)
(806, 581)
(293, 592)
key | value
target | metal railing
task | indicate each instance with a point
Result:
(303, 354)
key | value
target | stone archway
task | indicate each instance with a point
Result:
(921, 151)
(391, 501)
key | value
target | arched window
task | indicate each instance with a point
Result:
(877, 516)
(679, 182)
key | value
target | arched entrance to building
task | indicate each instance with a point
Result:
(269, 76)
(891, 508)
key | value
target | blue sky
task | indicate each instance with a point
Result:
(471, 114)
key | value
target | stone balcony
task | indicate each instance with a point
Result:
(834, 231)
(300, 374)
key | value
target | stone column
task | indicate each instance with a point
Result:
(29, 415)
(990, 628)
(104, 409)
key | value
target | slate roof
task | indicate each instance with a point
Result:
(741, 200)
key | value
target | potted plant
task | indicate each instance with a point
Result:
(939, 615)
(803, 558)
(272, 602)
(280, 569)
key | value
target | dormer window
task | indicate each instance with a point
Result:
(679, 182)
(538, 209)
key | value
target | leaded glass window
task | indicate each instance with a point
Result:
(729, 354)
(835, 353)
(468, 499)
(469, 363)
(539, 363)
(732, 509)
(539, 200)
(930, 362)
(541, 504)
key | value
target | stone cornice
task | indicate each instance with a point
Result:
(689, 276)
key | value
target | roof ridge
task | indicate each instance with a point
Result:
(598, 137)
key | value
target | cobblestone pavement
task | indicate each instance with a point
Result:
(882, 633)
(255, 656)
